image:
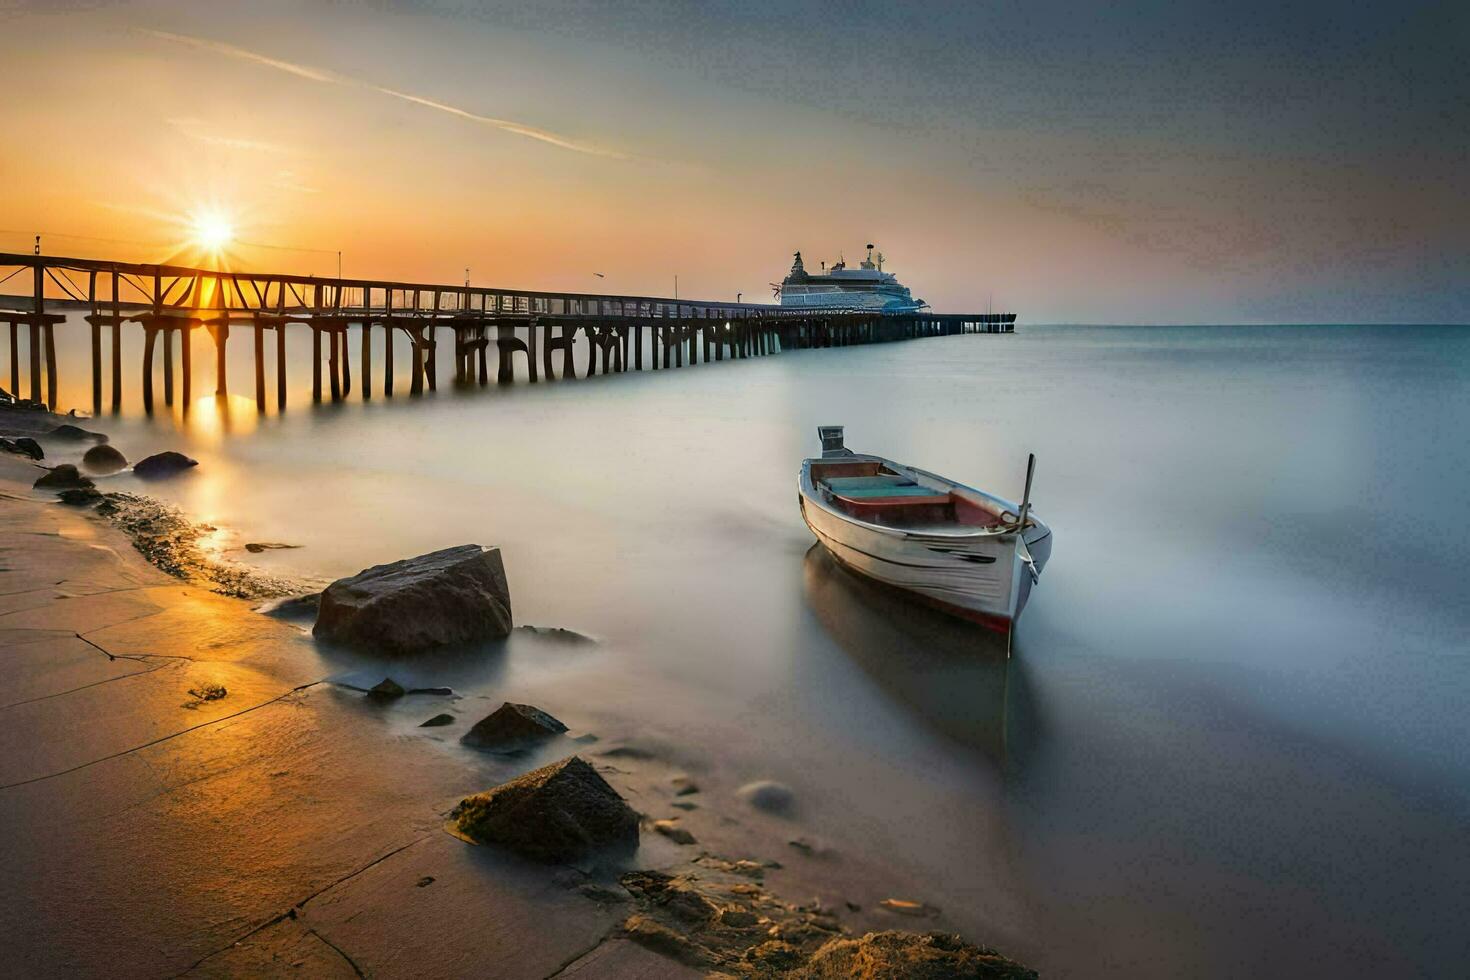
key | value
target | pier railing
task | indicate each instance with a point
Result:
(169, 302)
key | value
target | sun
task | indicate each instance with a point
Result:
(212, 230)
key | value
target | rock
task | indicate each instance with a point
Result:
(673, 832)
(512, 725)
(386, 690)
(161, 465)
(765, 794)
(684, 805)
(104, 459)
(773, 956)
(446, 598)
(930, 956)
(61, 477)
(23, 446)
(297, 608)
(80, 496)
(66, 432)
(684, 786)
(561, 812)
(256, 547)
(438, 721)
(659, 938)
(443, 692)
(905, 907)
(559, 634)
(209, 692)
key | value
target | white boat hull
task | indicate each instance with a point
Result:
(979, 574)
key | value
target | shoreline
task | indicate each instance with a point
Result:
(324, 828)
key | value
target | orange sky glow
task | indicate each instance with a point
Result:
(421, 143)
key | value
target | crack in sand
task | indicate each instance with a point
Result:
(62, 694)
(290, 913)
(575, 958)
(338, 949)
(160, 739)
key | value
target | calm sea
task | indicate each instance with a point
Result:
(1233, 741)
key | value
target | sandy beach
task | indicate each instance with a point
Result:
(296, 826)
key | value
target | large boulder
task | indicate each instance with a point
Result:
(561, 812)
(930, 956)
(161, 465)
(62, 477)
(23, 446)
(511, 726)
(103, 458)
(446, 598)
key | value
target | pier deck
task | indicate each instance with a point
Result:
(168, 303)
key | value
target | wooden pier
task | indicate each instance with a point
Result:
(537, 329)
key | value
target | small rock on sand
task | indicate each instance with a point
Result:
(557, 633)
(447, 598)
(104, 459)
(673, 832)
(438, 721)
(299, 607)
(905, 954)
(562, 812)
(161, 465)
(256, 547)
(768, 795)
(23, 446)
(80, 496)
(512, 726)
(66, 432)
(905, 907)
(62, 477)
(386, 690)
(684, 786)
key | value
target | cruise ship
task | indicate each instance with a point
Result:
(867, 287)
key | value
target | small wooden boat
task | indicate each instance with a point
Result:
(965, 551)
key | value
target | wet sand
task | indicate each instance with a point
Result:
(294, 825)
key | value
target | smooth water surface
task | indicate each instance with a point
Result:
(1233, 738)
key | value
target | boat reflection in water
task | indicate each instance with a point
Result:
(954, 676)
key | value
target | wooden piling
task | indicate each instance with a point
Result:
(316, 362)
(333, 366)
(168, 366)
(280, 363)
(150, 338)
(221, 335)
(14, 359)
(116, 346)
(367, 357)
(259, 346)
(186, 356)
(96, 367)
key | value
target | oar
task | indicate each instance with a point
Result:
(1021, 548)
(1026, 500)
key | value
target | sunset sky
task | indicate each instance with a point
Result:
(1167, 162)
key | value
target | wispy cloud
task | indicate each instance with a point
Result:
(333, 78)
(199, 131)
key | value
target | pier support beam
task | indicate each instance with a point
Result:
(367, 359)
(186, 358)
(316, 363)
(221, 334)
(259, 347)
(168, 367)
(280, 363)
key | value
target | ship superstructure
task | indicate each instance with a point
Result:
(867, 287)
